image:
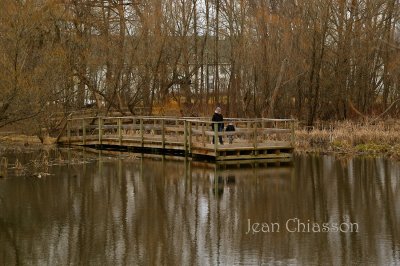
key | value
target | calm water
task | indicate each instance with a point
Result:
(126, 210)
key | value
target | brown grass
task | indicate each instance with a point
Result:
(20, 139)
(349, 137)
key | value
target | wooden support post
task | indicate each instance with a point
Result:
(83, 131)
(215, 139)
(141, 132)
(177, 128)
(197, 128)
(203, 135)
(255, 135)
(262, 130)
(120, 131)
(100, 130)
(185, 136)
(248, 131)
(292, 133)
(163, 133)
(190, 137)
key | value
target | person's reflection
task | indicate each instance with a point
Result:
(230, 180)
(218, 188)
(221, 182)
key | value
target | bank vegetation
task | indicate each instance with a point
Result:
(350, 138)
(312, 60)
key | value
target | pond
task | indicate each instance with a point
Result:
(79, 207)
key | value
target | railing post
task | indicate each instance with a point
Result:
(248, 131)
(163, 133)
(141, 132)
(177, 128)
(185, 136)
(197, 128)
(215, 139)
(292, 132)
(100, 130)
(120, 131)
(203, 133)
(255, 135)
(190, 137)
(84, 131)
(263, 129)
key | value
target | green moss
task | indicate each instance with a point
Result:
(372, 148)
(340, 145)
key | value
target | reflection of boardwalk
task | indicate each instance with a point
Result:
(254, 139)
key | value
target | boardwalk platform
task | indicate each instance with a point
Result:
(253, 139)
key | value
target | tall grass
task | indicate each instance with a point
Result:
(351, 137)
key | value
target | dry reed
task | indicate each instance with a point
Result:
(349, 137)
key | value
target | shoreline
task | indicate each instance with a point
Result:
(350, 154)
(344, 138)
(352, 139)
(315, 142)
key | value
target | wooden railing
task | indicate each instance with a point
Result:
(188, 132)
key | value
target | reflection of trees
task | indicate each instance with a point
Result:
(9, 245)
(166, 212)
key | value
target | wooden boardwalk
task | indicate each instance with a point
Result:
(253, 139)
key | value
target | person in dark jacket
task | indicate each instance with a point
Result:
(217, 117)
(230, 128)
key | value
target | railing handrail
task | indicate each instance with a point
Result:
(189, 119)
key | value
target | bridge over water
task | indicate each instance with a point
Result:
(253, 139)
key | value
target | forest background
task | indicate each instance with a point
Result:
(313, 60)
